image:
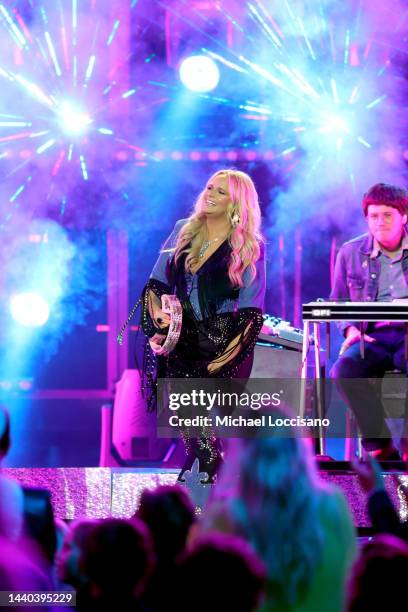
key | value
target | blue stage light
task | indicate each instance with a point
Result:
(29, 309)
(72, 119)
(336, 125)
(199, 73)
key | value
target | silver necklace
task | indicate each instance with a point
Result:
(205, 246)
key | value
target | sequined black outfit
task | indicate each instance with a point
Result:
(214, 314)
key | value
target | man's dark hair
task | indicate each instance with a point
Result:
(117, 557)
(233, 576)
(169, 514)
(390, 195)
(378, 577)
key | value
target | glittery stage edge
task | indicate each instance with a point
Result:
(103, 492)
(92, 492)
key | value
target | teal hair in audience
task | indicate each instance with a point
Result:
(273, 495)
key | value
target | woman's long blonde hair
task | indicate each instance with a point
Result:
(245, 236)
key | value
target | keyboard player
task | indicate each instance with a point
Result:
(373, 267)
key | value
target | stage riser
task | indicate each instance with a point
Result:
(103, 492)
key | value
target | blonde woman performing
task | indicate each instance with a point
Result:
(214, 263)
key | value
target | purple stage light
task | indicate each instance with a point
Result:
(213, 155)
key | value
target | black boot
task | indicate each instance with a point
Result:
(210, 459)
(190, 446)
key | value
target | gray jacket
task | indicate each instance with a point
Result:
(356, 273)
